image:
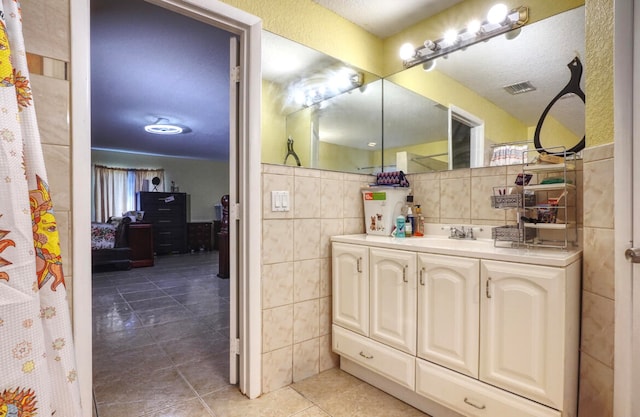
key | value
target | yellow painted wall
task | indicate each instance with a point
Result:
(425, 149)
(342, 158)
(274, 145)
(599, 72)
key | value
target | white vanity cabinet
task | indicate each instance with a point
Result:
(448, 313)
(471, 335)
(350, 266)
(525, 328)
(392, 286)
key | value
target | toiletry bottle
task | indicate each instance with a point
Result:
(419, 230)
(409, 203)
(400, 224)
(411, 221)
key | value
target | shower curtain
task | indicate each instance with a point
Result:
(37, 358)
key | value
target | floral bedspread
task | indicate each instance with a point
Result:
(103, 236)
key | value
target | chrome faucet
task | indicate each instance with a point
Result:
(461, 233)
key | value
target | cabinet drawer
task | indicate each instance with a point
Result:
(471, 397)
(382, 359)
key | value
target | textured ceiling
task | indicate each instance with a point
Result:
(147, 63)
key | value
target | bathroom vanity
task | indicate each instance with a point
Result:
(459, 327)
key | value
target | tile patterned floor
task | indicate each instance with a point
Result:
(160, 349)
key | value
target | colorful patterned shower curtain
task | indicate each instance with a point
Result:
(37, 358)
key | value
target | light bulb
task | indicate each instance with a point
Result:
(407, 51)
(450, 37)
(474, 26)
(497, 14)
(299, 97)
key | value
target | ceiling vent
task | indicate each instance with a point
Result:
(519, 88)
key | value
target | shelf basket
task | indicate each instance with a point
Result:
(512, 200)
(512, 233)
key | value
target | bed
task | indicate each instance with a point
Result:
(109, 246)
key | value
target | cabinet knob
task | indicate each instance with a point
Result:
(404, 273)
(487, 289)
(422, 276)
(359, 264)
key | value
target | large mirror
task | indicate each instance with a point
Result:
(471, 109)
(497, 90)
(318, 112)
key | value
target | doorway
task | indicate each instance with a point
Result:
(244, 213)
(466, 139)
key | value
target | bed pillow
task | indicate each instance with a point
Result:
(103, 236)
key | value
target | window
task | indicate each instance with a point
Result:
(115, 189)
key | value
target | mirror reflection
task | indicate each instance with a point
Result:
(562, 126)
(342, 133)
(326, 111)
(415, 131)
(472, 106)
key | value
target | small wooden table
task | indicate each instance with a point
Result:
(140, 238)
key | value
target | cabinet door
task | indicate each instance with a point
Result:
(522, 330)
(393, 298)
(350, 266)
(448, 311)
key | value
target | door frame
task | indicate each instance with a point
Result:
(476, 139)
(246, 208)
(626, 103)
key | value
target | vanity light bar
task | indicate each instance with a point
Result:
(340, 83)
(515, 19)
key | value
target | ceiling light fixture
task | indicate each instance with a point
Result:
(499, 20)
(166, 128)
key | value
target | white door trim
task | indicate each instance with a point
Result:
(476, 158)
(626, 103)
(248, 28)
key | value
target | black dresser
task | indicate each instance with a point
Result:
(167, 212)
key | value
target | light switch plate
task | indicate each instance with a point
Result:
(279, 200)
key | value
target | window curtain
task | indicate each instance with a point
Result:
(110, 191)
(115, 189)
(38, 375)
(141, 175)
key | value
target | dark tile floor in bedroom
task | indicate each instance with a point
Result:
(161, 349)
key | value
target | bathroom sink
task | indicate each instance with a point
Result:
(446, 243)
(483, 247)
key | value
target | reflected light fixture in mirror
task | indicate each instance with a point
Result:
(165, 128)
(318, 89)
(429, 65)
(499, 20)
